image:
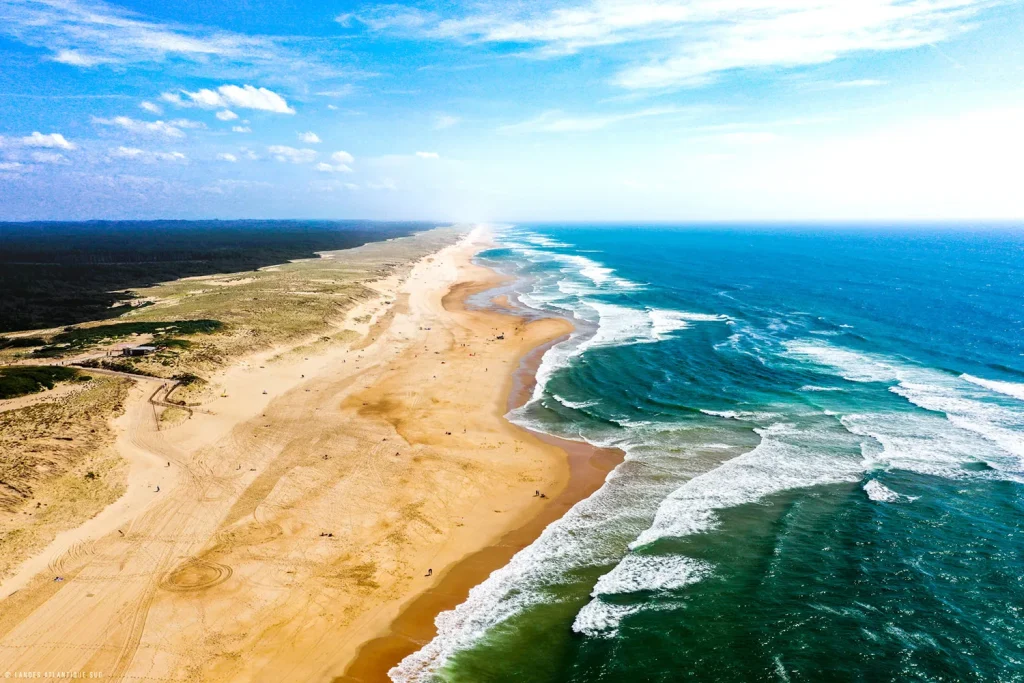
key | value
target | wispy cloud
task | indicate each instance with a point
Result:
(332, 186)
(76, 58)
(49, 158)
(692, 41)
(385, 184)
(340, 163)
(146, 156)
(51, 141)
(239, 96)
(442, 121)
(231, 185)
(343, 91)
(293, 155)
(860, 83)
(171, 129)
(86, 34)
(428, 155)
(556, 121)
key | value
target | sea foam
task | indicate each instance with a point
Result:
(1012, 389)
(787, 458)
(880, 493)
(968, 405)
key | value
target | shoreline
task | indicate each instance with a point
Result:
(589, 466)
(304, 505)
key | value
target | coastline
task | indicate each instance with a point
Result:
(588, 468)
(304, 504)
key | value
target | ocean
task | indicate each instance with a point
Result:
(824, 439)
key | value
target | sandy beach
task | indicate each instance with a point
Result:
(313, 518)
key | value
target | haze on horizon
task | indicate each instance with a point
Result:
(553, 110)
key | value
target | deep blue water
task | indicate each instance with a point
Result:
(824, 437)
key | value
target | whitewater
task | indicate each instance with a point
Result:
(764, 412)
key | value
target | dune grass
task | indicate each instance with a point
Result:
(292, 303)
(58, 467)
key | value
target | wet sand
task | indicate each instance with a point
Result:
(588, 468)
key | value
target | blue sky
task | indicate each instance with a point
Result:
(547, 110)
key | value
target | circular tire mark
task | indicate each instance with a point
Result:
(196, 575)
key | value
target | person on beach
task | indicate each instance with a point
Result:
(430, 572)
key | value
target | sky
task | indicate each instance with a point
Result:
(582, 110)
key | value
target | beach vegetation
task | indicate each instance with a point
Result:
(20, 380)
(75, 339)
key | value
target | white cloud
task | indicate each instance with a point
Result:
(225, 156)
(332, 107)
(49, 158)
(127, 152)
(12, 166)
(442, 121)
(694, 41)
(386, 184)
(239, 96)
(151, 108)
(171, 129)
(241, 129)
(341, 163)
(227, 115)
(309, 138)
(86, 33)
(146, 156)
(860, 83)
(389, 17)
(341, 157)
(331, 185)
(293, 155)
(556, 121)
(226, 185)
(428, 155)
(51, 141)
(186, 123)
(343, 91)
(76, 58)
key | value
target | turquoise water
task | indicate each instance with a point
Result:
(824, 437)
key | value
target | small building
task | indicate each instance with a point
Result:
(137, 350)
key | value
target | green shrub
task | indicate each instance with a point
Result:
(76, 338)
(28, 379)
(20, 342)
(186, 378)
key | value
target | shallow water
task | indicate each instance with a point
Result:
(824, 433)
